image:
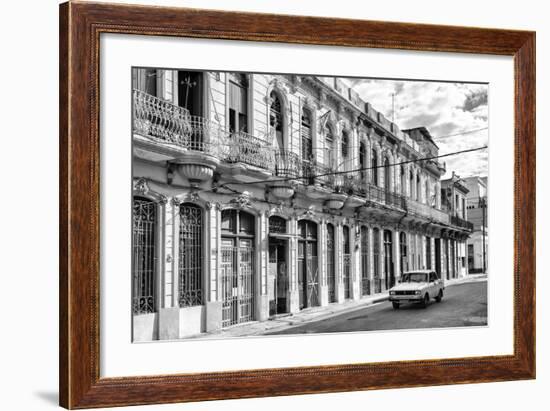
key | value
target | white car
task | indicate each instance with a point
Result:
(418, 286)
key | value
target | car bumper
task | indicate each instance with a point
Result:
(403, 298)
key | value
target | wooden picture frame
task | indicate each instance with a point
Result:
(80, 27)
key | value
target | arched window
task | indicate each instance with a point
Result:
(144, 255)
(238, 102)
(190, 255)
(276, 120)
(374, 167)
(307, 135)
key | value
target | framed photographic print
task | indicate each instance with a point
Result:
(257, 205)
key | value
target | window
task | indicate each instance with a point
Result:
(374, 167)
(307, 135)
(238, 103)
(276, 120)
(428, 253)
(190, 91)
(418, 187)
(362, 164)
(329, 146)
(403, 180)
(411, 181)
(345, 148)
(190, 255)
(144, 256)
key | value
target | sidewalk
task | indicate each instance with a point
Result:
(285, 321)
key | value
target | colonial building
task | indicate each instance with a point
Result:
(478, 242)
(257, 195)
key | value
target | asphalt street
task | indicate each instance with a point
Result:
(462, 305)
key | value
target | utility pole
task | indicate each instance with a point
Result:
(393, 107)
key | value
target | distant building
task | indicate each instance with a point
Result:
(476, 202)
(453, 197)
(257, 195)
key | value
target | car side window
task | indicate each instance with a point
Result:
(433, 277)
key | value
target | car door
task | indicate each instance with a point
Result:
(432, 286)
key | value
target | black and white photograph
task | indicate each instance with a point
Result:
(272, 204)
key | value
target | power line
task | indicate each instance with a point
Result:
(334, 173)
(461, 133)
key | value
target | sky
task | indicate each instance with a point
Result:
(445, 109)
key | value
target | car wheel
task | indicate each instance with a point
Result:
(426, 300)
(439, 296)
(395, 305)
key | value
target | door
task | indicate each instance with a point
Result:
(277, 277)
(438, 256)
(308, 272)
(237, 267)
(389, 275)
(365, 283)
(347, 264)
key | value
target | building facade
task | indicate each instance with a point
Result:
(478, 242)
(257, 195)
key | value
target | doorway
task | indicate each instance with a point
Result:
(277, 282)
(308, 272)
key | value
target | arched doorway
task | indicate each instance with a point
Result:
(237, 267)
(308, 269)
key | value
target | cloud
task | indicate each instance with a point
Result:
(445, 109)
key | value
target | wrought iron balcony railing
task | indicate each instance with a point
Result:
(455, 220)
(426, 211)
(381, 195)
(245, 148)
(159, 119)
(287, 164)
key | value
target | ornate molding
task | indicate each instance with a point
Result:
(242, 201)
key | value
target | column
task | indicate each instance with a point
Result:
(212, 268)
(397, 255)
(339, 263)
(323, 284)
(382, 257)
(370, 246)
(294, 301)
(168, 318)
(355, 262)
(262, 306)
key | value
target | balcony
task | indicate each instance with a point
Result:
(382, 196)
(459, 222)
(426, 211)
(247, 149)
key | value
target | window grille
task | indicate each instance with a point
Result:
(144, 231)
(190, 255)
(277, 225)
